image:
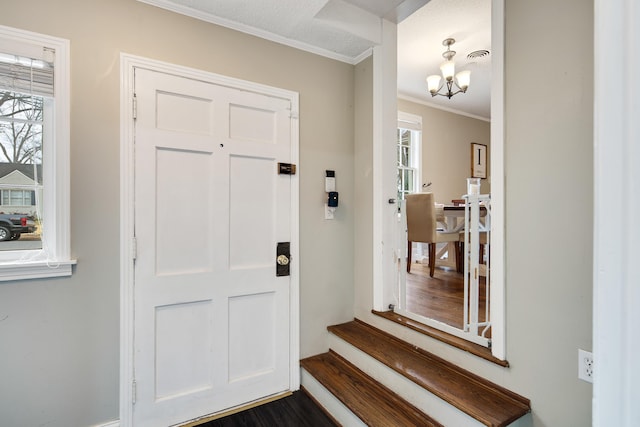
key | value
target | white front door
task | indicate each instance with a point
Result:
(212, 319)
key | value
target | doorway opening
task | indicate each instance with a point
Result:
(495, 160)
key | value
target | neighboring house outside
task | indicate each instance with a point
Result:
(20, 188)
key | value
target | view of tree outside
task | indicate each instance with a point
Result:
(20, 128)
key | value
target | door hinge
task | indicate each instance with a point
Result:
(135, 106)
(134, 391)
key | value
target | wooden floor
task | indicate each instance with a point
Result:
(297, 410)
(440, 297)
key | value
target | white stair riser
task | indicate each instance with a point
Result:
(429, 403)
(329, 402)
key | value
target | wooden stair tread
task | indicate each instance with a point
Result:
(461, 343)
(488, 403)
(372, 402)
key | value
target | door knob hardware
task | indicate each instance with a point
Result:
(282, 260)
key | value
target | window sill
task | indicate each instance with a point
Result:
(35, 270)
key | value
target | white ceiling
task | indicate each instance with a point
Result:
(346, 30)
(420, 50)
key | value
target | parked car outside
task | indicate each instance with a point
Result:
(13, 225)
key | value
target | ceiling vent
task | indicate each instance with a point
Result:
(478, 54)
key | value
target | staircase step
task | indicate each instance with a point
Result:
(484, 401)
(373, 403)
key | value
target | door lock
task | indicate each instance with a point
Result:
(282, 260)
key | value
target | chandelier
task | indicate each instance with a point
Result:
(448, 69)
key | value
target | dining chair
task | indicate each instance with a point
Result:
(422, 228)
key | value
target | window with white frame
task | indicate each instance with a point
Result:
(409, 141)
(34, 155)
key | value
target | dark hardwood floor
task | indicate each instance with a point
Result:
(297, 410)
(440, 297)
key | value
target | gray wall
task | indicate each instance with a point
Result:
(549, 203)
(446, 149)
(59, 338)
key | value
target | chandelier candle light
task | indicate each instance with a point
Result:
(448, 69)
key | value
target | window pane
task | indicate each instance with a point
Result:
(408, 180)
(406, 161)
(16, 198)
(405, 157)
(21, 118)
(405, 138)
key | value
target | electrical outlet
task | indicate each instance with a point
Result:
(585, 365)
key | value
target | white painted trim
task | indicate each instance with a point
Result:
(616, 294)
(378, 284)
(440, 107)
(409, 121)
(294, 302)
(128, 63)
(497, 177)
(364, 55)
(247, 29)
(35, 270)
(385, 119)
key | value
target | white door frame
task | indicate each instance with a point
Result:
(616, 294)
(127, 244)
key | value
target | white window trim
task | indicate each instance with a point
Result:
(56, 261)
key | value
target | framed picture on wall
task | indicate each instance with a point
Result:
(478, 160)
